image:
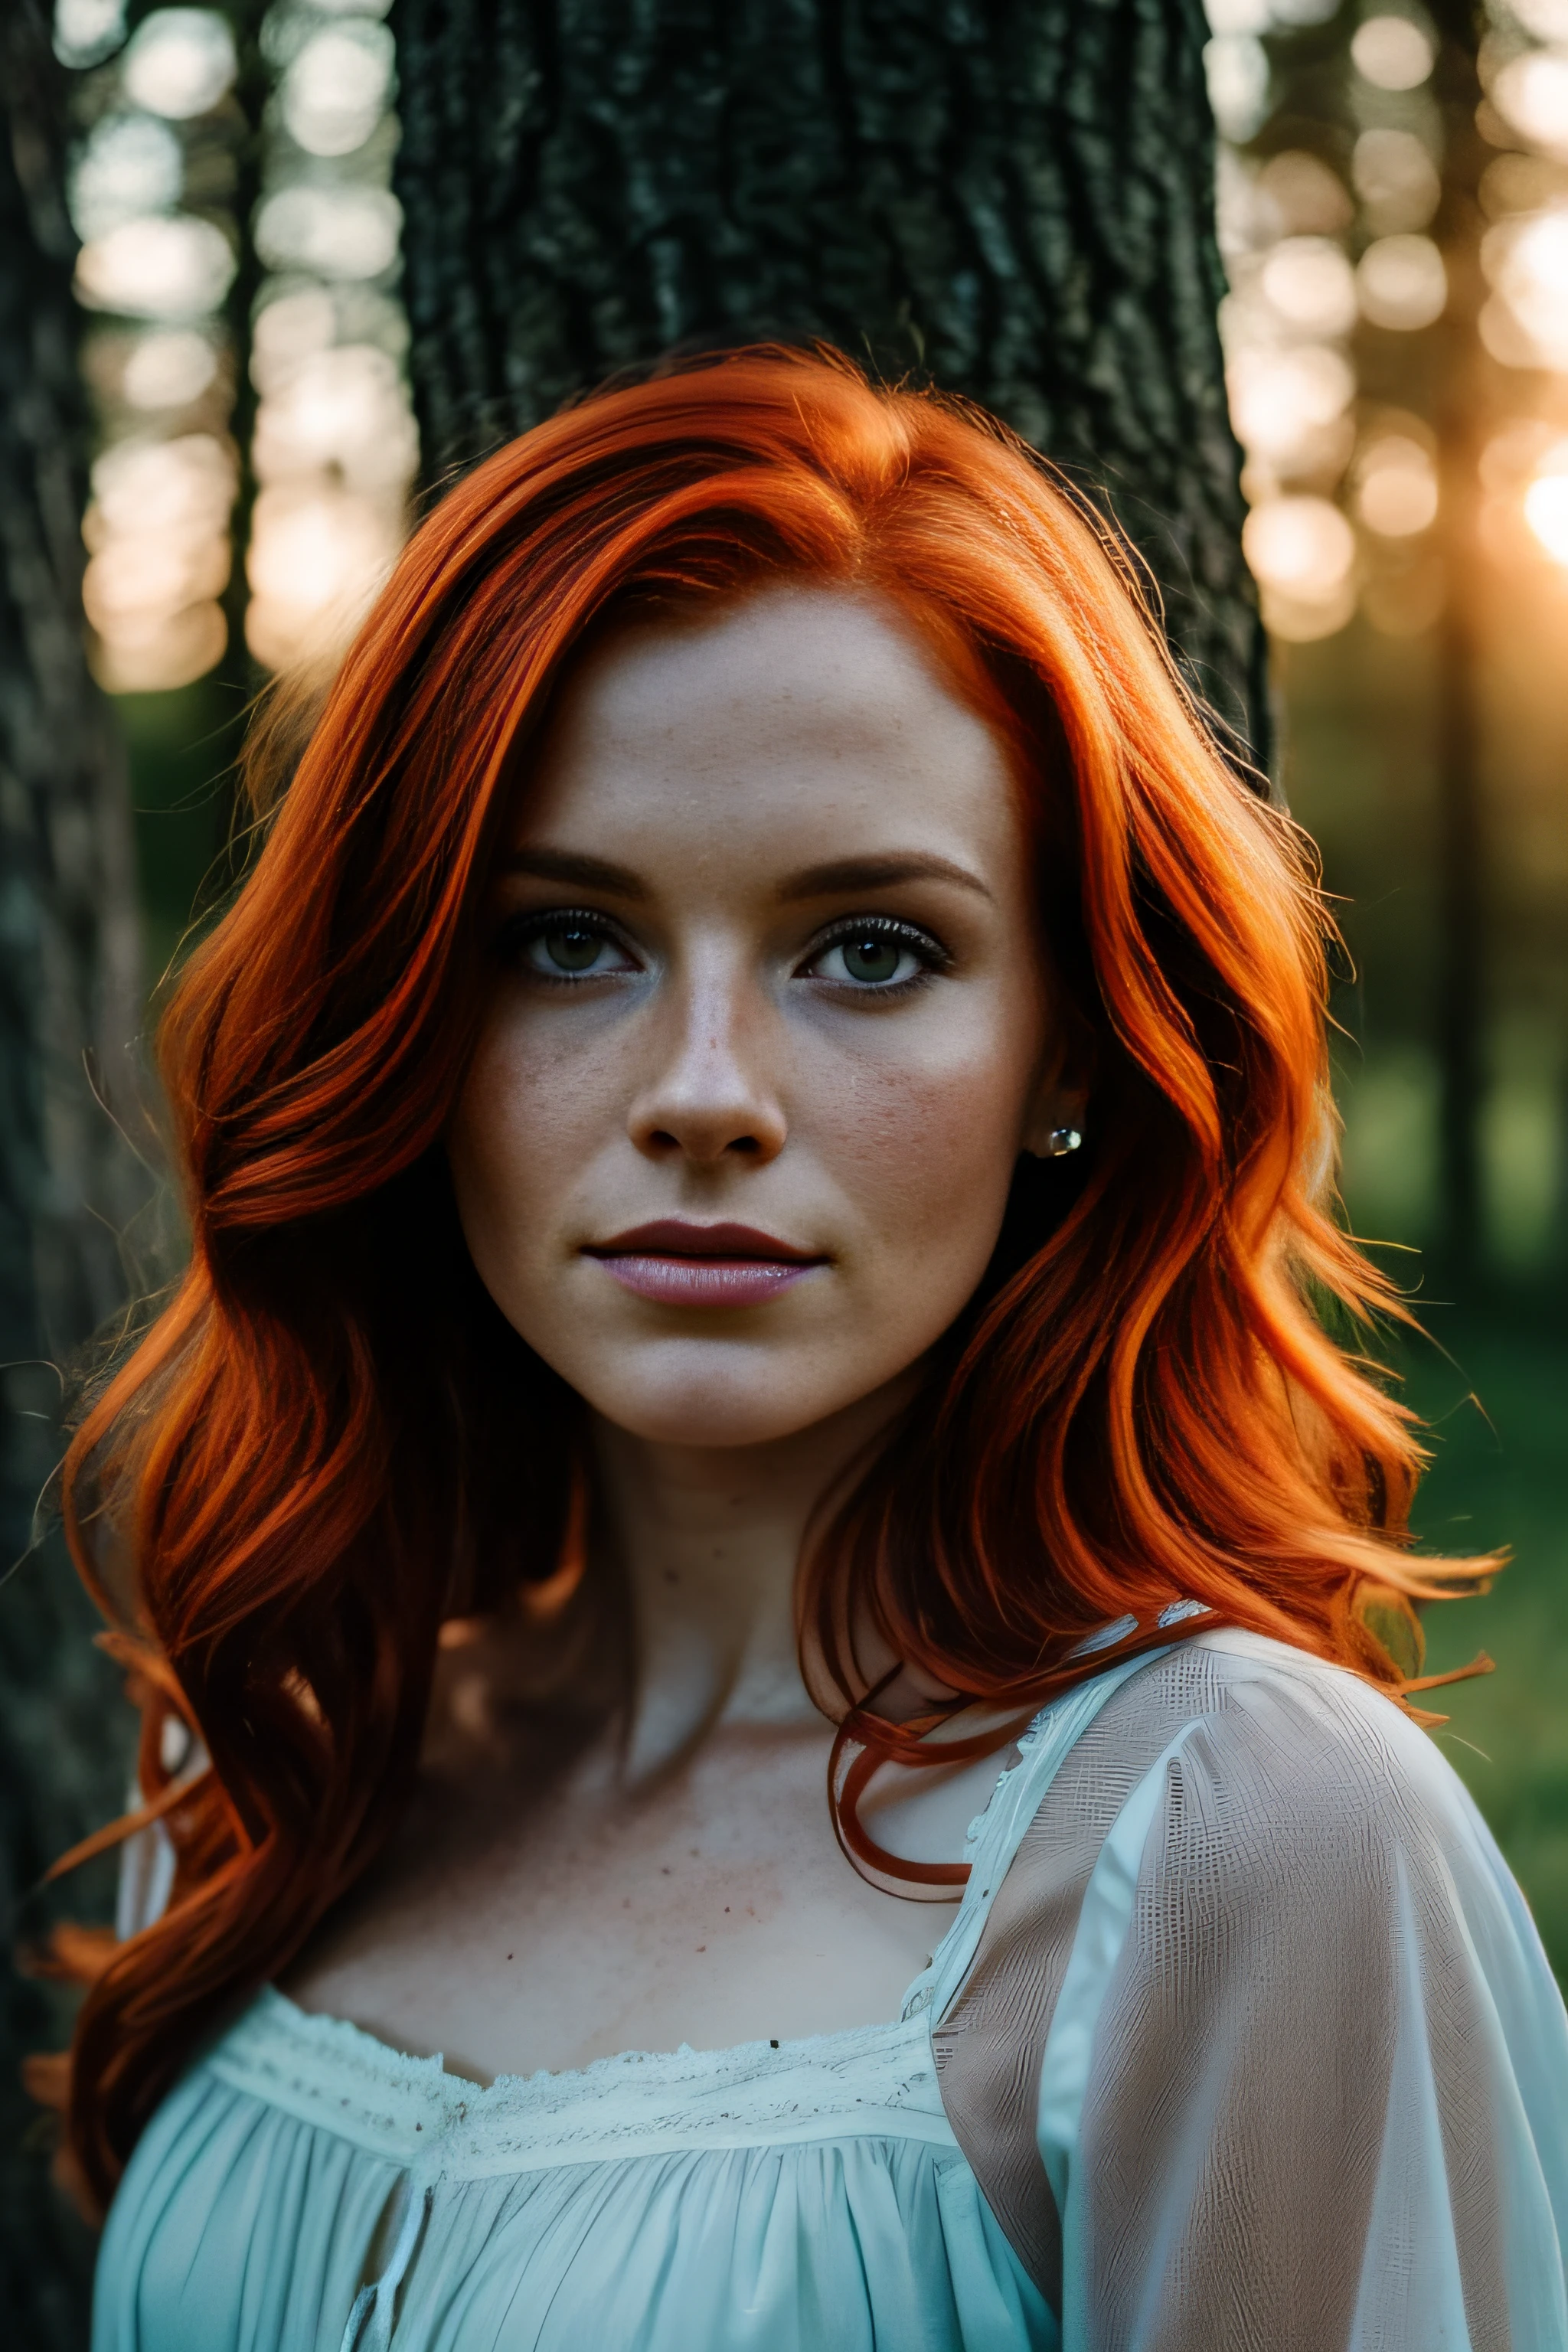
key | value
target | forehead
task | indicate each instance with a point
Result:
(794, 707)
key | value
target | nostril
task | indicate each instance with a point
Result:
(745, 1143)
(662, 1136)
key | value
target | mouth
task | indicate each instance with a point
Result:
(678, 1265)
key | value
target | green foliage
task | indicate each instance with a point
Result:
(1494, 1388)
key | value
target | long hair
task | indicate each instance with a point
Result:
(328, 1442)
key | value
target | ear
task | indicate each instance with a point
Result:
(1055, 1122)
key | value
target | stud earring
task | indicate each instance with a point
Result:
(1060, 1141)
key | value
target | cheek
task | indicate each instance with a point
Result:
(927, 1150)
(523, 1130)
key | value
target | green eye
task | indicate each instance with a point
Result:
(573, 951)
(882, 958)
(871, 958)
(568, 947)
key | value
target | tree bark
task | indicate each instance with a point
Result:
(1463, 851)
(69, 997)
(1014, 195)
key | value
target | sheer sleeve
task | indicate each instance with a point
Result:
(1304, 2074)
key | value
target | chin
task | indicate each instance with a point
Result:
(723, 1405)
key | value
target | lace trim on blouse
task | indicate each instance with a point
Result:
(869, 2079)
(640, 2103)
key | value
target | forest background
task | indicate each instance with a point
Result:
(268, 272)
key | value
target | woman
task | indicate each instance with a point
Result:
(755, 1144)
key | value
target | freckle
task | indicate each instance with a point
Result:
(508, 1956)
(726, 1910)
(702, 1948)
(625, 1903)
(694, 1850)
(670, 1577)
(664, 1870)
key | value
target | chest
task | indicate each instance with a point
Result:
(560, 1917)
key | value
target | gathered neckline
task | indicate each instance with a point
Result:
(277, 2047)
(332, 2074)
(339, 2036)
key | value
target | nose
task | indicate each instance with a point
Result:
(711, 1099)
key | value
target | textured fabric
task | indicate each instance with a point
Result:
(1300, 2071)
(306, 2187)
(1239, 1969)
(782, 2200)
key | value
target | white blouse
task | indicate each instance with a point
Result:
(1241, 2037)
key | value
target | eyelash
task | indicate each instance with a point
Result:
(520, 930)
(932, 956)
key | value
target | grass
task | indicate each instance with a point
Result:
(1494, 1388)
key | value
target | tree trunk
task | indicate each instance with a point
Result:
(1014, 196)
(69, 1186)
(1463, 849)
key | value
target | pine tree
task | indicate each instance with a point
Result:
(1016, 197)
(69, 994)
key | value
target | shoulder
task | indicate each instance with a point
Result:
(1232, 1782)
(1229, 1755)
(1284, 1721)
(1288, 1786)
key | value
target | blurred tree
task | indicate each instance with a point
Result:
(1017, 197)
(1463, 859)
(1335, 102)
(69, 998)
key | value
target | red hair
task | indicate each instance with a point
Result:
(311, 1460)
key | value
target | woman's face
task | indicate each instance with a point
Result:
(768, 1028)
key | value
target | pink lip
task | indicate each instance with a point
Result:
(678, 1265)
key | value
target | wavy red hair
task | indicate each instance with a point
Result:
(314, 1456)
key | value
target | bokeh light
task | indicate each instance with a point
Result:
(1302, 554)
(169, 370)
(157, 276)
(1283, 402)
(1297, 194)
(1310, 283)
(1397, 487)
(1530, 93)
(1392, 53)
(317, 554)
(157, 531)
(1235, 65)
(179, 62)
(132, 165)
(1526, 260)
(1228, 17)
(1331, 244)
(342, 408)
(177, 268)
(334, 450)
(1397, 180)
(1546, 504)
(1547, 19)
(1401, 282)
(343, 231)
(336, 89)
(88, 31)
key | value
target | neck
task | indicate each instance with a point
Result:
(709, 1539)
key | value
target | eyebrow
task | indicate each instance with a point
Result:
(849, 873)
(834, 880)
(575, 865)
